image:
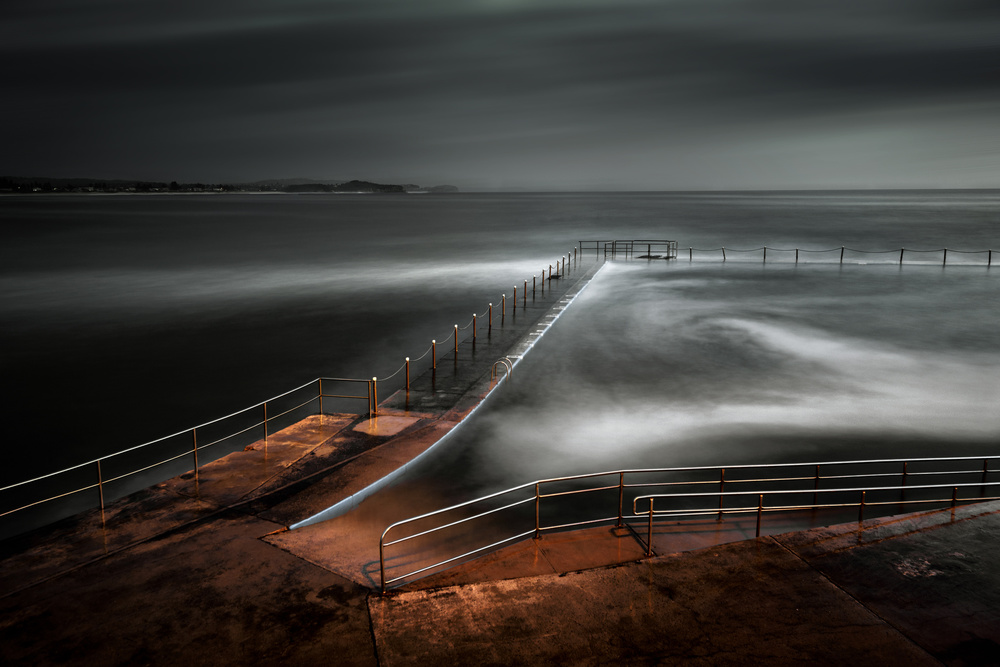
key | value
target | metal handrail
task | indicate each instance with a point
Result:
(627, 246)
(901, 471)
(195, 448)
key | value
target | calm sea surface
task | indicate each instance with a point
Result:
(124, 318)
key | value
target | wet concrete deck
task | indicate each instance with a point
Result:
(203, 571)
(910, 590)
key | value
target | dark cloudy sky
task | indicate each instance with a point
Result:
(496, 94)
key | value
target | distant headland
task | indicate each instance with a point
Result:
(29, 185)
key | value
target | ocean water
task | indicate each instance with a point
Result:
(124, 318)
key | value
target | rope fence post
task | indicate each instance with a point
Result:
(375, 396)
(690, 254)
(473, 328)
(524, 297)
(320, 380)
(490, 330)
(503, 308)
(265, 429)
(513, 306)
(841, 254)
(407, 375)
(861, 508)
(765, 255)
(434, 363)
(944, 260)
(760, 510)
(456, 342)
(723, 253)
(533, 278)
(796, 255)
(901, 256)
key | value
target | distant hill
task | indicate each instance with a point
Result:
(23, 184)
(349, 186)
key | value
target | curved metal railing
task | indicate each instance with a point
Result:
(432, 541)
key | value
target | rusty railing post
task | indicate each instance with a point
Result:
(538, 528)
(649, 531)
(320, 396)
(194, 438)
(982, 489)
(621, 495)
(375, 396)
(760, 510)
(816, 488)
(861, 508)
(381, 562)
(100, 489)
(722, 490)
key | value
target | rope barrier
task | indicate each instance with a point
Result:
(426, 352)
(398, 371)
(842, 249)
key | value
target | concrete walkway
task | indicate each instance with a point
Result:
(912, 590)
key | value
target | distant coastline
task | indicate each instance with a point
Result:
(39, 185)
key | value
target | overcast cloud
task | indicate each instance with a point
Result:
(492, 94)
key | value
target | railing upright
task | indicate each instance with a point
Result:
(194, 439)
(538, 528)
